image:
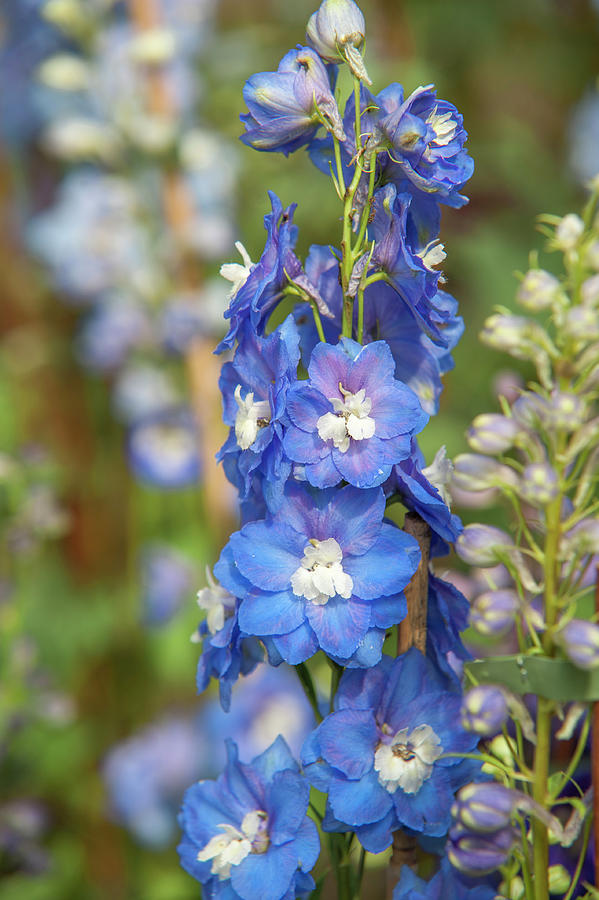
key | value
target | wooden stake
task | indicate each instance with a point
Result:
(411, 633)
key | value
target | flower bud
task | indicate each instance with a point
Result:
(538, 290)
(153, 47)
(582, 539)
(472, 472)
(540, 484)
(492, 433)
(484, 710)
(485, 807)
(580, 642)
(582, 323)
(590, 291)
(76, 139)
(531, 411)
(516, 335)
(483, 545)
(64, 72)
(569, 231)
(559, 880)
(591, 256)
(336, 31)
(567, 410)
(493, 613)
(65, 14)
(479, 854)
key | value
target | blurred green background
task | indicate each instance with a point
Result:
(516, 70)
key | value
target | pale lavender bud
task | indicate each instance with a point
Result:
(580, 642)
(521, 337)
(531, 411)
(540, 484)
(569, 231)
(484, 710)
(336, 31)
(582, 323)
(483, 545)
(582, 539)
(472, 472)
(492, 614)
(492, 433)
(508, 384)
(538, 290)
(567, 410)
(485, 807)
(590, 291)
(479, 854)
(591, 256)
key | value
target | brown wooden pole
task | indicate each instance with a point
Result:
(411, 633)
(201, 366)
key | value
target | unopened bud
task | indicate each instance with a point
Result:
(579, 640)
(559, 880)
(67, 15)
(582, 323)
(485, 807)
(77, 139)
(64, 72)
(336, 31)
(569, 231)
(539, 485)
(493, 613)
(591, 256)
(479, 854)
(483, 545)
(484, 710)
(492, 433)
(583, 539)
(153, 47)
(531, 411)
(538, 290)
(566, 410)
(472, 472)
(589, 291)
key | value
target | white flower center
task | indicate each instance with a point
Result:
(433, 254)
(216, 601)
(237, 273)
(408, 760)
(320, 575)
(251, 417)
(444, 126)
(439, 474)
(351, 419)
(232, 846)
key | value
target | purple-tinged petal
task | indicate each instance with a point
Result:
(339, 625)
(359, 802)
(272, 613)
(372, 573)
(265, 876)
(298, 645)
(354, 754)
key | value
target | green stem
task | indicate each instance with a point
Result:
(540, 841)
(360, 873)
(361, 316)
(303, 673)
(318, 322)
(340, 176)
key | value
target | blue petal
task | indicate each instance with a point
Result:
(359, 802)
(303, 447)
(427, 810)
(387, 567)
(276, 758)
(266, 613)
(286, 803)
(347, 740)
(267, 555)
(364, 464)
(339, 625)
(307, 845)
(298, 645)
(379, 835)
(388, 611)
(265, 876)
(305, 406)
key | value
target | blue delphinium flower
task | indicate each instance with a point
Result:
(247, 835)
(163, 449)
(264, 704)
(145, 777)
(254, 388)
(351, 420)
(447, 617)
(287, 107)
(323, 571)
(116, 326)
(226, 652)
(425, 140)
(258, 288)
(379, 755)
(167, 577)
(445, 885)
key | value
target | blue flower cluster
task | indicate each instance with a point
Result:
(324, 400)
